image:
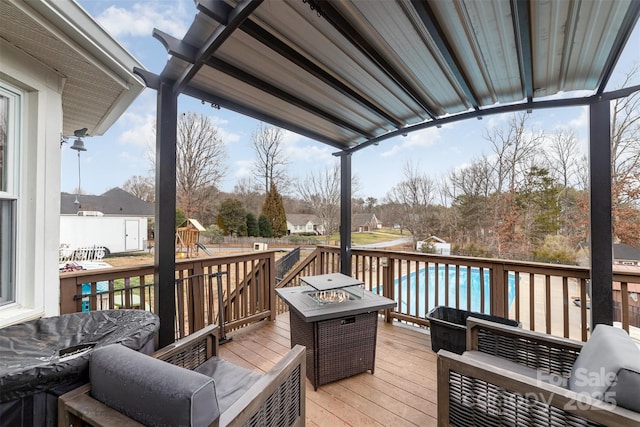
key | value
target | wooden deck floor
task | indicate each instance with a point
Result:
(401, 392)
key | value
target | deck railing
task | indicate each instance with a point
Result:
(548, 298)
(543, 297)
(247, 290)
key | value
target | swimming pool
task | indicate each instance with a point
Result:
(407, 298)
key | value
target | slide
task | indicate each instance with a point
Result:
(203, 247)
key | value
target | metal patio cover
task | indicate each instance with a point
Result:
(351, 73)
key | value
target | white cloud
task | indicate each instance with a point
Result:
(140, 19)
(299, 149)
(242, 168)
(140, 129)
(581, 121)
(415, 140)
(227, 136)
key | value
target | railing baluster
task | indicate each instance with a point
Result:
(482, 292)
(583, 309)
(565, 305)
(532, 301)
(468, 288)
(624, 300)
(547, 303)
(516, 297)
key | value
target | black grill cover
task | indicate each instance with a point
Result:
(29, 352)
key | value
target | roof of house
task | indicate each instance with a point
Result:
(99, 84)
(622, 251)
(113, 202)
(302, 219)
(361, 218)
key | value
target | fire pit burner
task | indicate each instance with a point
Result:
(329, 297)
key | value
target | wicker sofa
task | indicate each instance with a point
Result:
(185, 384)
(511, 376)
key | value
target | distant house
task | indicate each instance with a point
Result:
(115, 220)
(365, 222)
(439, 246)
(626, 255)
(303, 224)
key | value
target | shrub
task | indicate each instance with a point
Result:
(555, 250)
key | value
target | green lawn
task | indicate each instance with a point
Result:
(368, 237)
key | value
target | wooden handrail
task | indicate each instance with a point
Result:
(548, 298)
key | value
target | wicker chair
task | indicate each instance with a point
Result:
(511, 376)
(274, 398)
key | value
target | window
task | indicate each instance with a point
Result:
(9, 116)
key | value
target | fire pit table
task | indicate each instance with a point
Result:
(337, 320)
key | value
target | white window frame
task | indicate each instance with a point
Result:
(11, 171)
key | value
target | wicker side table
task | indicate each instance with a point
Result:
(336, 348)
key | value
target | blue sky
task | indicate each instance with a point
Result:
(122, 152)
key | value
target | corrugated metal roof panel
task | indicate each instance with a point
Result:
(354, 70)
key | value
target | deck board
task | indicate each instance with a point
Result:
(401, 392)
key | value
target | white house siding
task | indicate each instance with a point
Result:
(37, 274)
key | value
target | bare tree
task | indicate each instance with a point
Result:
(321, 191)
(270, 163)
(564, 157)
(625, 163)
(564, 163)
(414, 194)
(515, 148)
(142, 187)
(200, 161)
(249, 194)
(470, 188)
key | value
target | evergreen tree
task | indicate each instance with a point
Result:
(264, 226)
(273, 208)
(252, 225)
(181, 217)
(233, 217)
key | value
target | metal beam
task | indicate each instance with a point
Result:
(165, 213)
(275, 44)
(511, 108)
(345, 214)
(151, 80)
(600, 214)
(334, 18)
(437, 35)
(522, 28)
(215, 40)
(628, 23)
